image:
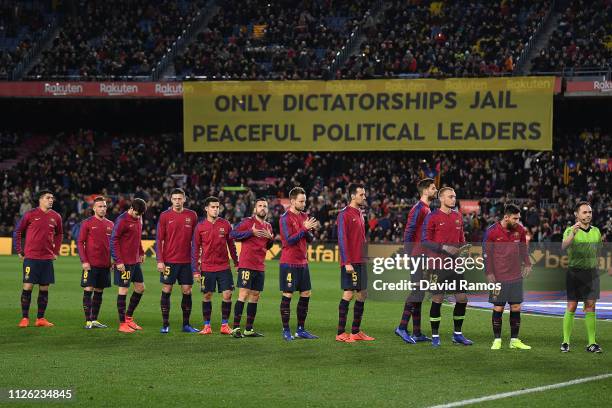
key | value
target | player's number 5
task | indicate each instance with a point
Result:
(167, 271)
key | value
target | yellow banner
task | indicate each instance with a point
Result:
(398, 114)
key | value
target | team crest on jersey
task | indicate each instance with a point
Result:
(52, 220)
(187, 220)
(457, 222)
(516, 235)
(221, 232)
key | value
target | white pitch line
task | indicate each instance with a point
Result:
(522, 392)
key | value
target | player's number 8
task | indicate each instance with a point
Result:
(85, 275)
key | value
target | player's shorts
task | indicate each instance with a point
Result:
(176, 272)
(221, 281)
(510, 292)
(98, 278)
(448, 277)
(132, 273)
(38, 271)
(416, 295)
(582, 284)
(251, 279)
(294, 278)
(356, 280)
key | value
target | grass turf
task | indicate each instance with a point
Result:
(105, 367)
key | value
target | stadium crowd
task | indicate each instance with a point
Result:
(582, 39)
(20, 27)
(113, 38)
(77, 165)
(437, 39)
(260, 39)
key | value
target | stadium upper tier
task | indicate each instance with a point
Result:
(76, 165)
(316, 39)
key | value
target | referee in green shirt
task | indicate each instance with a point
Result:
(582, 241)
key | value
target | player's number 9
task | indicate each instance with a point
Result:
(27, 271)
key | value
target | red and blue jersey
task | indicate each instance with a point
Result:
(414, 227)
(294, 238)
(440, 228)
(351, 235)
(94, 242)
(211, 241)
(174, 236)
(125, 242)
(252, 249)
(505, 252)
(43, 234)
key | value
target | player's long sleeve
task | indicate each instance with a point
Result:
(114, 241)
(524, 249)
(487, 252)
(428, 233)
(196, 247)
(231, 244)
(59, 235)
(411, 227)
(291, 239)
(159, 239)
(82, 240)
(342, 237)
(242, 231)
(20, 228)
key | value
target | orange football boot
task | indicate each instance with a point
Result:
(361, 336)
(42, 322)
(345, 337)
(125, 328)
(130, 322)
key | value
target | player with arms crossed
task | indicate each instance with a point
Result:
(128, 254)
(173, 250)
(256, 236)
(353, 273)
(507, 263)
(211, 241)
(412, 237)
(94, 250)
(443, 237)
(582, 241)
(295, 231)
(43, 237)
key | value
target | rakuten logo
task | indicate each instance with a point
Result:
(63, 89)
(118, 89)
(603, 86)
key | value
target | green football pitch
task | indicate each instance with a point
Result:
(105, 368)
